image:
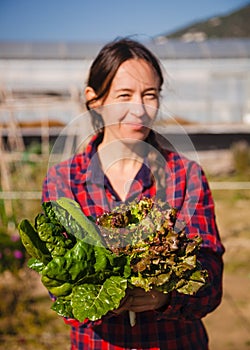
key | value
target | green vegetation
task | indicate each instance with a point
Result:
(89, 273)
(233, 25)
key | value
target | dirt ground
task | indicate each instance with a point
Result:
(229, 325)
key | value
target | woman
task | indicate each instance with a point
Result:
(124, 161)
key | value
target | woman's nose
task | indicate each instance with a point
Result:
(137, 108)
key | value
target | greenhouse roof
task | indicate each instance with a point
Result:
(170, 49)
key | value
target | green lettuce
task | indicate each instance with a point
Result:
(88, 265)
(92, 301)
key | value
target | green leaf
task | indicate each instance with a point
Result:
(52, 234)
(187, 263)
(79, 260)
(63, 307)
(148, 282)
(32, 243)
(55, 270)
(142, 282)
(35, 264)
(94, 301)
(69, 214)
(64, 289)
(199, 276)
(101, 258)
(106, 260)
(190, 288)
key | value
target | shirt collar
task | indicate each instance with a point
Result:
(93, 172)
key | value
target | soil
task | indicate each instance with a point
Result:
(229, 325)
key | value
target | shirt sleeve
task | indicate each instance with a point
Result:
(57, 183)
(197, 212)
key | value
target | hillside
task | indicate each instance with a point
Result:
(233, 25)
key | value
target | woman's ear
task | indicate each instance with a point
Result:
(90, 95)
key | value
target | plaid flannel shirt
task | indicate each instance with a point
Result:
(179, 326)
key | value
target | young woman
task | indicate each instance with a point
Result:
(124, 161)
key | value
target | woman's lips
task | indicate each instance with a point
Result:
(136, 126)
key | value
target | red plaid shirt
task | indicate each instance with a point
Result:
(179, 326)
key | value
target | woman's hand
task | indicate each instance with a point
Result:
(138, 300)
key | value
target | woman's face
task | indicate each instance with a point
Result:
(132, 102)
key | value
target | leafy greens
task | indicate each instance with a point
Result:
(88, 266)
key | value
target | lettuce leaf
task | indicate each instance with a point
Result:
(68, 213)
(93, 301)
(63, 307)
(36, 265)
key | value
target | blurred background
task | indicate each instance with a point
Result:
(46, 49)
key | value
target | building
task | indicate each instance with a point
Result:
(207, 81)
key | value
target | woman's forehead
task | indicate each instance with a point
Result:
(136, 70)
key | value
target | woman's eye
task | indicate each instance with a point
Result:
(150, 96)
(124, 96)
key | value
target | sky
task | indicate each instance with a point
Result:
(100, 21)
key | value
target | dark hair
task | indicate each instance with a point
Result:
(106, 64)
